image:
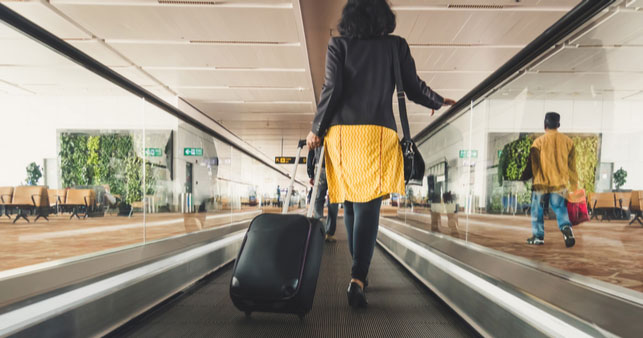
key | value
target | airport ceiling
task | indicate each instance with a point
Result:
(256, 66)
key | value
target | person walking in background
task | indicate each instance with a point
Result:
(355, 119)
(320, 199)
(553, 168)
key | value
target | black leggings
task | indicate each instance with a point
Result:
(362, 221)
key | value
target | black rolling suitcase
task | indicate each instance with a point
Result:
(278, 263)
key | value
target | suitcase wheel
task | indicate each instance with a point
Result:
(248, 313)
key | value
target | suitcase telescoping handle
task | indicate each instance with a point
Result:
(300, 146)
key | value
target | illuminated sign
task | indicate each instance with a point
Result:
(288, 160)
(193, 151)
(153, 152)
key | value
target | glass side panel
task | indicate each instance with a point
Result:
(594, 84)
(73, 158)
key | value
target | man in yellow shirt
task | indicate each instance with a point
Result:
(553, 166)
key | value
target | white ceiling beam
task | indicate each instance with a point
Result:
(474, 8)
(204, 42)
(232, 69)
(462, 45)
(183, 3)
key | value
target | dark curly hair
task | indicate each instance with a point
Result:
(364, 19)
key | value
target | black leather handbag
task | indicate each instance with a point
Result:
(413, 161)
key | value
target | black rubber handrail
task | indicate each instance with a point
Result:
(60, 46)
(576, 17)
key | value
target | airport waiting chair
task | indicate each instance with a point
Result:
(30, 198)
(605, 204)
(623, 204)
(6, 194)
(56, 198)
(76, 200)
(636, 206)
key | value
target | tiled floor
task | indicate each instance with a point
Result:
(607, 251)
(24, 244)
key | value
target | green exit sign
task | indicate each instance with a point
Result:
(468, 154)
(153, 152)
(193, 151)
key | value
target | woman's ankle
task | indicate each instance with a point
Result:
(359, 282)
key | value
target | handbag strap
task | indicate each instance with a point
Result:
(404, 120)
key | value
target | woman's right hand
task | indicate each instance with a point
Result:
(449, 102)
(312, 141)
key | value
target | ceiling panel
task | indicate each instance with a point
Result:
(181, 78)
(636, 3)
(595, 59)
(24, 51)
(252, 107)
(464, 59)
(217, 55)
(47, 19)
(61, 76)
(7, 32)
(577, 84)
(473, 27)
(625, 28)
(511, 3)
(275, 117)
(169, 22)
(243, 94)
(452, 80)
(100, 52)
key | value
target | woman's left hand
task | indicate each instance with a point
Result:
(312, 141)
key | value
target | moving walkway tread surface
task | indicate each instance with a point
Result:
(399, 306)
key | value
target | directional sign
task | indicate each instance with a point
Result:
(289, 160)
(153, 152)
(468, 154)
(193, 151)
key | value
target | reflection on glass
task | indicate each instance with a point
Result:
(473, 188)
(76, 164)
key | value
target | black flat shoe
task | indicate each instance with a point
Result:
(356, 296)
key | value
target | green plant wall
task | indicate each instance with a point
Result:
(586, 148)
(104, 159)
(73, 159)
(513, 159)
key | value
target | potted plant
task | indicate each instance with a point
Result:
(34, 173)
(620, 178)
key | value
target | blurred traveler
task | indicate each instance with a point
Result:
(553, 168)
(322, 189)
(355, 117)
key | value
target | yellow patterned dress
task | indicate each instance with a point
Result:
(363, 162)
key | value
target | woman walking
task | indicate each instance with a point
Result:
(355, 117)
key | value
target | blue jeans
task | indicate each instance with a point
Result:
(362, 222)
(557, 203)
(331, 220)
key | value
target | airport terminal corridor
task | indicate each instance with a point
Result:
(140, 140)
(399, 306)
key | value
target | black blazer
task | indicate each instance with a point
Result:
(359, 83)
